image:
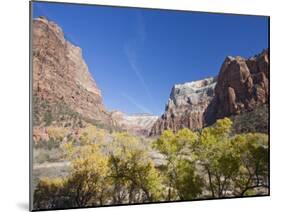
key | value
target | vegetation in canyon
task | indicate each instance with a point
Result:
(212, 141)
(118, 168)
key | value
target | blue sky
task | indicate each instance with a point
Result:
(137, 55)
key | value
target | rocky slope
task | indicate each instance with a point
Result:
(186, 106)
(242, 86)
(64, 92)
(138, 124)
(62, 83)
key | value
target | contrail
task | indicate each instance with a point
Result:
(131, 54)
(139, 106)
(131, 49)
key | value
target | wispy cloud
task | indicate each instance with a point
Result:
(132, 48)
(136, 104)
(132, 59)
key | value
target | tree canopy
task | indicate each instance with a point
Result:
(118, 168)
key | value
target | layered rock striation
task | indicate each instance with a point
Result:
(242, 86)
(63, 88)
(138, 124)
(186, 106)
(61, 78)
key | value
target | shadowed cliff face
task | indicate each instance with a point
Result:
(241, 87)
(61, 77)
(63, 87)
(186, 106)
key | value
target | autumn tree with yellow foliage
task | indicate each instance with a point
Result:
(118, 168)
(133, 175)
(181, 180)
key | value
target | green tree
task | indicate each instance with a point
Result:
(92, 134)
(179, 172)
(121, 170)
(86, 184)
(253, 173)
(216, 156)
(234, 164)
(187, 183)
(133, 174)
(50, 193)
